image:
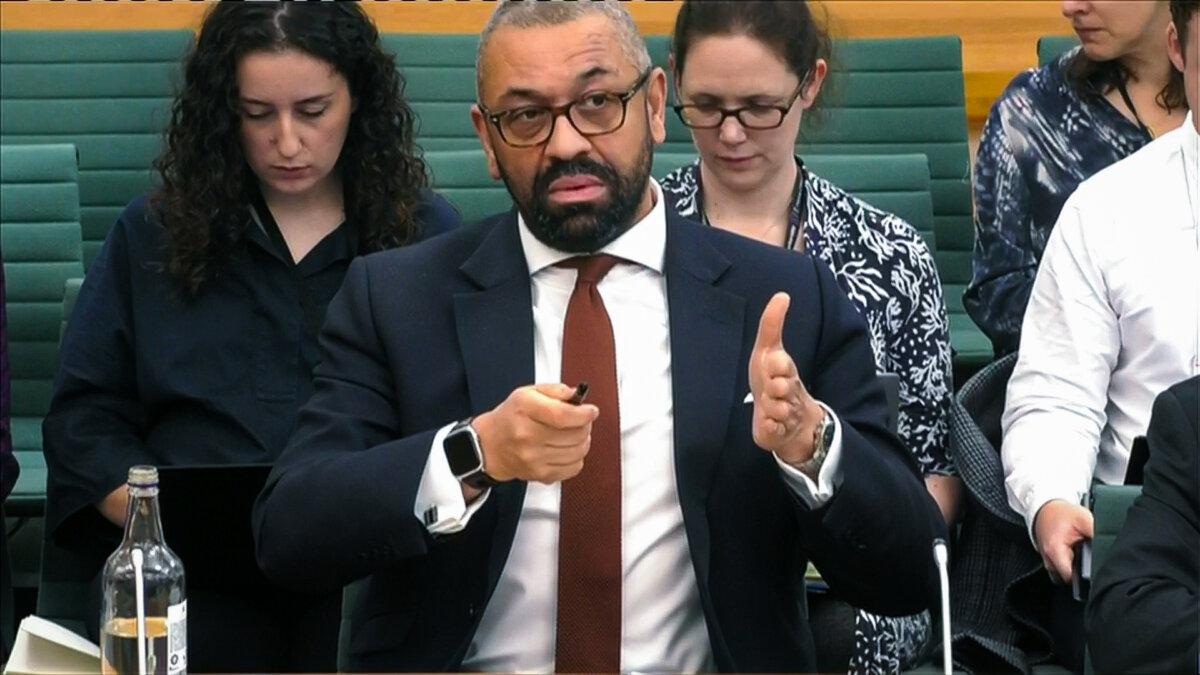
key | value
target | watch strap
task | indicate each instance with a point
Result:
(822, 438)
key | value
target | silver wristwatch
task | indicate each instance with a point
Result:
(822, 439)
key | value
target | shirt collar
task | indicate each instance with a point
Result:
(1191, 143)
(262, 230)
(1191, 170)
(645, 243)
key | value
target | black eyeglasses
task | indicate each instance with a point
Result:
(593, 114)
(750, 116)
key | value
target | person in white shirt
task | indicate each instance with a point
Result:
(664, 523)
(1114, 319)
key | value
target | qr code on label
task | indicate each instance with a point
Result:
(177, 638)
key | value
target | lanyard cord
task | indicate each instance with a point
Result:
(1133, 109)
(797, 213)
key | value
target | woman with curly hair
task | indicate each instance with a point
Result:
(289, 152)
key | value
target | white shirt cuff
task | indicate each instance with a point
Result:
(1040, 498)
(440, 504)
(829, 478)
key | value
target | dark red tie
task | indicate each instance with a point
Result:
(589, 529)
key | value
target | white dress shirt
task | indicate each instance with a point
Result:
(662, 624)
(1113, 320)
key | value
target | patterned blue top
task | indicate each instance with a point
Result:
(1041, 140)
(887, 271)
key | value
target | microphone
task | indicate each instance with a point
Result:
(941, 556)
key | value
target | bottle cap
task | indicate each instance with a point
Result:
(143, 476)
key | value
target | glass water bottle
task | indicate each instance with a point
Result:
(143, 620)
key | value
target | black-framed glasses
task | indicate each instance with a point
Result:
(593, 114)
(750, 116)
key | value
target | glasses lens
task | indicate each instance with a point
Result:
(525, 125)
(700, 116)
(597, 113)
(760, 118)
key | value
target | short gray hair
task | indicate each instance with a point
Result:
(539, 13)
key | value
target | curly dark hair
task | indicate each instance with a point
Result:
(207, 185)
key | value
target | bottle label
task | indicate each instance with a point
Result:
(177, 638)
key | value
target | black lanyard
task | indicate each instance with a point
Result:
(797, 206)
(1129, 102)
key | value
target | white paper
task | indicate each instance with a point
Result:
(45, 647)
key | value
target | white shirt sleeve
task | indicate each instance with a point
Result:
(440, 504)
(1070, 343)
(829, 478)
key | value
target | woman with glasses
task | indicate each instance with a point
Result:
(288, 153)
(1051, 129)
(745, 73)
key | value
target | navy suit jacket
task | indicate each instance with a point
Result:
(1142, 616)
(424, 335)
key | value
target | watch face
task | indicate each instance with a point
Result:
(461, 453)
(827, 432)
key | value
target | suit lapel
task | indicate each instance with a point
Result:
(706, 341)
(495, 333)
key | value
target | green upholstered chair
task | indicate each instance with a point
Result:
(439, 70)
(70, 295)
(900, 96)
(461, 176)
(349, 600)
(108, 92)
(1050, 47)
(895, 183)
(63, 575)
(1110, 504)
(40, 236)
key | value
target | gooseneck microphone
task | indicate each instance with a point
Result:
(941, 556)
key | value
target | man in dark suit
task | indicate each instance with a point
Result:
(1143, 615)
(665, 522)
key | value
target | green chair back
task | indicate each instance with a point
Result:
(64, 575)
(906, 95)
(349, 601)
(40, 238)
(1110, 504)
(1050, 47)
(439, 71)
(70, 295)
(108, 92)
(461, 176)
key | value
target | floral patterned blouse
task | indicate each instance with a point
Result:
(1041, 140)
(887, 271)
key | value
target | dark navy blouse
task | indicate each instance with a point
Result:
(149, 378)
(1042, 139)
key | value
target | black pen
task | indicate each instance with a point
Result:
(580, 394)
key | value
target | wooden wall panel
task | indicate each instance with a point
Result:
(998, 36)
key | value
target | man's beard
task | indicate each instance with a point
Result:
(586, 227)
